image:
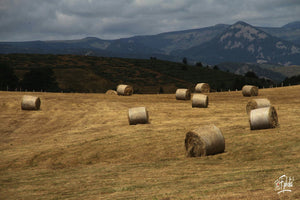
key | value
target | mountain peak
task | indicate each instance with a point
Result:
(242, 30)
(90, 39)
(241, 23)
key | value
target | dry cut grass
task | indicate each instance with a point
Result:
(80, 146)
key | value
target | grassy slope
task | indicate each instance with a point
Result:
(98, 74)
(80, 146)
(288, 71)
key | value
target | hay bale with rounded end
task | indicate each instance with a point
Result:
(111, 92)
(183, 94)
(202, 88)
(203, 141)
(263, 118)
(200, 101)
(138, 115)
(124, 90)
(257, 103)
(249, 90)
(30, 103)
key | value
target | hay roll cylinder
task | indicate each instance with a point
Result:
(257, 103)
(249, 90)
(203, 141)
(124, 90)
(138, 115)
(202, 88)
(200, 101)
(263, 118)
(30, 102)
(183, 94)
(111, 92)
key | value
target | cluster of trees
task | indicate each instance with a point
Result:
(294, 80)
(35, 79)
(8, 79)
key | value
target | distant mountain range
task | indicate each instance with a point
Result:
(242, 42)
(239, 42)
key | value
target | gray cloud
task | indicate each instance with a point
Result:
(73, 19)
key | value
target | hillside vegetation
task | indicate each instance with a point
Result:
(288, 71)
(80, 146)
(98, 74)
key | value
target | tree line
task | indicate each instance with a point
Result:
(38, 79)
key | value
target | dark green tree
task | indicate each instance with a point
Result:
(184, 60)
(294, 80)
(238, 83)
(251, 74)
(199, 64)
(8, 79)
(40, 79)
(161, 90)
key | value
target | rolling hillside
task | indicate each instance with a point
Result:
(99, 74)
(80, 146)
(241, 68)
(288, 71)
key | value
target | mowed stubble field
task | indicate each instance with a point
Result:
(80, 146)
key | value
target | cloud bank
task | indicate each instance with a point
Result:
(74, 19)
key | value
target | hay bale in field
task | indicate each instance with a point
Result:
(249, 90)
(200, 101)
(263, 118)
(124, 90)
(202, 88)
(138, 115)
(257, 103)
(203, 141)
(111, 92)
(183, 94)
(30, 103)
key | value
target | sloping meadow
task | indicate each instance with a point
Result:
(81, 146)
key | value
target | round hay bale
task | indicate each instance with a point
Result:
(249, 90)
(257, 103)
(200, 101)
(138, 115)
(111, 92)
(202, 88)
(263, 118)
(30, 103)
(183, 94)
(203, 141)
(124, 90)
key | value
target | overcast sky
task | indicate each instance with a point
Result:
(23, 20)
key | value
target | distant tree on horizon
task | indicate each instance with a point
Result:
(216, 67)
(251, 74)
(184, 60)
(199, 64)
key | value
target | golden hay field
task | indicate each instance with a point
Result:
(80, 146)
